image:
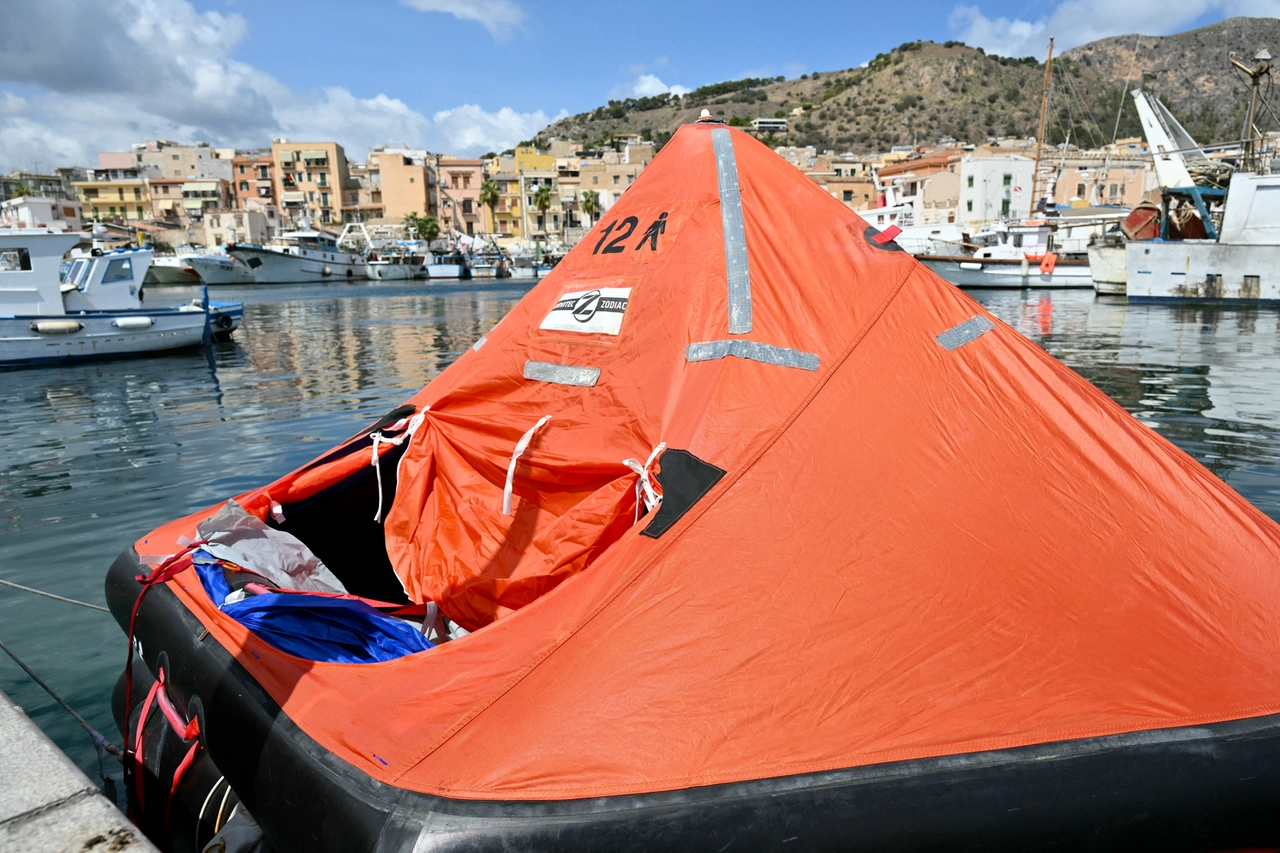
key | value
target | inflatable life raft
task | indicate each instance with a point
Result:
(743, 530)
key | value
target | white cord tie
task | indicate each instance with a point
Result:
(644, 486)
(379, 439)
(521, 446)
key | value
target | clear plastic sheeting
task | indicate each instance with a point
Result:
(238, 537)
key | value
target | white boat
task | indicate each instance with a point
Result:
(451, 265)
(1107, 268)
(396, 268)
(170, 271)
(1012, 256)
(97, 311)
(300, 256)
(221, 269)
(1241, 266)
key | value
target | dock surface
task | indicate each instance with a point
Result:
(47, 805)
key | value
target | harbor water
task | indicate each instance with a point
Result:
(96, 454)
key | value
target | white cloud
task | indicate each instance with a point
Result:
(468, 127)
(1076, 22)
(500, 17)
(645, 86)
(158, 69)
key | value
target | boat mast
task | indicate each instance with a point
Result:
(1044, 110)
(1251, 137)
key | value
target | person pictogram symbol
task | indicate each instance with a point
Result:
(658, 226)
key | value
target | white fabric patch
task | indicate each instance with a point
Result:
(595, 312)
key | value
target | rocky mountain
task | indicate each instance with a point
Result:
(923, 92)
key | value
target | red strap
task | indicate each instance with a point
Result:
(886, 235)
(187, 761)
(185, 730)
(137, 744)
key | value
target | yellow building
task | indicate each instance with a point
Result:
(529, 158)
(115, 194)
(506, 221)
(310, 180)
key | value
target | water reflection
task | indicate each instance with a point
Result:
(96, 454)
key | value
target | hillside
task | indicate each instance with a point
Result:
(923, 92)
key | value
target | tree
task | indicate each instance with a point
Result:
(421, 227)
(542, 201)
(22, 191)
(489, 197)
(590, 205)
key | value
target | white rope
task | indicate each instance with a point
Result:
(644, 486)
(379, 439)
(521, 446)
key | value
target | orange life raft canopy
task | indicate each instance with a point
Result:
(761, 530)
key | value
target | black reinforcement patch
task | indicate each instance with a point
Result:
(869, 234)
(684, 479)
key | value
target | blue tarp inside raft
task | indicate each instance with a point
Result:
(314, 627)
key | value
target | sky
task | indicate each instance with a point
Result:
(82, 76)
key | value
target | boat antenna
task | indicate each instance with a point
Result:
(1044, 109)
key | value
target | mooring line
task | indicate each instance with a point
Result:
(98, 740)
(51, 595)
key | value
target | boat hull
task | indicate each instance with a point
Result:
(1107, 269)
(1202, 271)
(393, 272)
(457, 271)
(100, 336)
(159, 275)
(1199, 788)
(215, 271)
(1001, 273)
(275, 267)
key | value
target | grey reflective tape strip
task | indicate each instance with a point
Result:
(735, 234)
(711, 350)
(561, 374)
(968, 331)
(476, 346)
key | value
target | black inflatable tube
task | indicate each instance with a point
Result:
(1199, 789)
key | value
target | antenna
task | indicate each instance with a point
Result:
(1044, 109)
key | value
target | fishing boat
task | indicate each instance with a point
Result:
(452, 264)
(709, 545)
(171, 271)
(97, 310)
(221, 269)
(1019, 255)
(300, 256)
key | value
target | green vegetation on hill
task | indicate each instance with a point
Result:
(921, 92)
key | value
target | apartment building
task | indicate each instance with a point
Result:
(44, 186)
(172, 160)
(507, 218)
(166, 198)
(996, 188)
(310, 179)
(222, 226)
(405, 181)
(253, 179)
(117, 190)
(459, 181)
(1094, 179)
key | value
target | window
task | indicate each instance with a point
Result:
(16, 260)
(471, 229)
(308, 177)
(137, 193)
(466, 205)
(1079, 190)
(90, 193)
(616, 181)
(120, 193)
(968, 206)
(177, 172)
(595, 179)
(848, 195)
(322, 178)
(112, 210)
(77, 269)
(175, 156)
(138, 210)
(411, 180)
(120, 269)
(970, 184)
(466, 182)
(1004, 207)
(242, 168)
(214, 221)
(324, 199)
(262, 173)
(453, 181)
(1008, 180)
(1115, 191)
(244, 186)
